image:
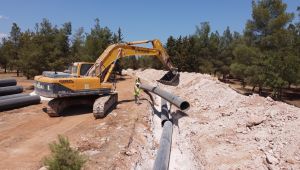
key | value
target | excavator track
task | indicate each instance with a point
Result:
(104, 104)
(56, 106)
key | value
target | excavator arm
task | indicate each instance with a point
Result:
(106, 62)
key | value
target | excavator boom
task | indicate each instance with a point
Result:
(105, 63)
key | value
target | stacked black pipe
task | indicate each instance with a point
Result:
(11, 97)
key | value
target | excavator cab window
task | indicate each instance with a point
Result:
(84, 68)
(74, 70)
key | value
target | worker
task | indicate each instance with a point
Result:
(137, 91)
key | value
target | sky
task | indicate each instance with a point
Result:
(138, 19)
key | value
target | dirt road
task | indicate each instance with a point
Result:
(26, 132)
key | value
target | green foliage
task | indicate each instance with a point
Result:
(97, 41)
(13, 50)
(248, 65)
(266, 55)
(203, 51)
(4, 53)
(63, 157)
(129, 62)
(51, 48)
(77, 48)
(267, 31)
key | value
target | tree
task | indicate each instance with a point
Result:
(200, 49)
(61, 52)
(214, 49)
(118, 38)
(5, 48)
(129, 62)
(77, 47)
(49, 47)
(119, 35)
(297, 44)
(63, 156)
(246, 66)
(30, 55)
(172, 51)
(225, 56)
(267, 32)
(13, 52)
(98, 40)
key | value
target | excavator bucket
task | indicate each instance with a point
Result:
(170, 79)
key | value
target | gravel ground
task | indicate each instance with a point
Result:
(224, 129)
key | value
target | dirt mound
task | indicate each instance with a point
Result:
(226, 130)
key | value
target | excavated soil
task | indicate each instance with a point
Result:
(226, 130)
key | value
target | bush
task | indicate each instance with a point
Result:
(63, 157)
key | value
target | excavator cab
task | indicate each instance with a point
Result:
(79, 69)
(171, 78)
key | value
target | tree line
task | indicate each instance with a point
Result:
(49, 47)
(265, 55)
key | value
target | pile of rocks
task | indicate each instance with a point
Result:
(224, 129)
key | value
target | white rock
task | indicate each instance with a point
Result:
(271, 159)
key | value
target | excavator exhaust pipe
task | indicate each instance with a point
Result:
(171, 78)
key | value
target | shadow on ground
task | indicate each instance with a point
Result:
(77, 110)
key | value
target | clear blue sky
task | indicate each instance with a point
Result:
(138, 19)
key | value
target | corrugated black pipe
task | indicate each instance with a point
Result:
(13, 96)
(10, 90)
(7, 82)
(19, 102)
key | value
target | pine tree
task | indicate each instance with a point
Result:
(98, 40)
(61, 52)
(171, 50)
(5, 48)
(214, 48)
(267, 31)
(77, 47)
(225, 56)
(120, 35)
(14, 39)
(246, 67)
(30, 55)
(201, 50)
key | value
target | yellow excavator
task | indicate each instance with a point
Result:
(89, 83)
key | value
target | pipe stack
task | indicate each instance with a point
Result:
(11, 97)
